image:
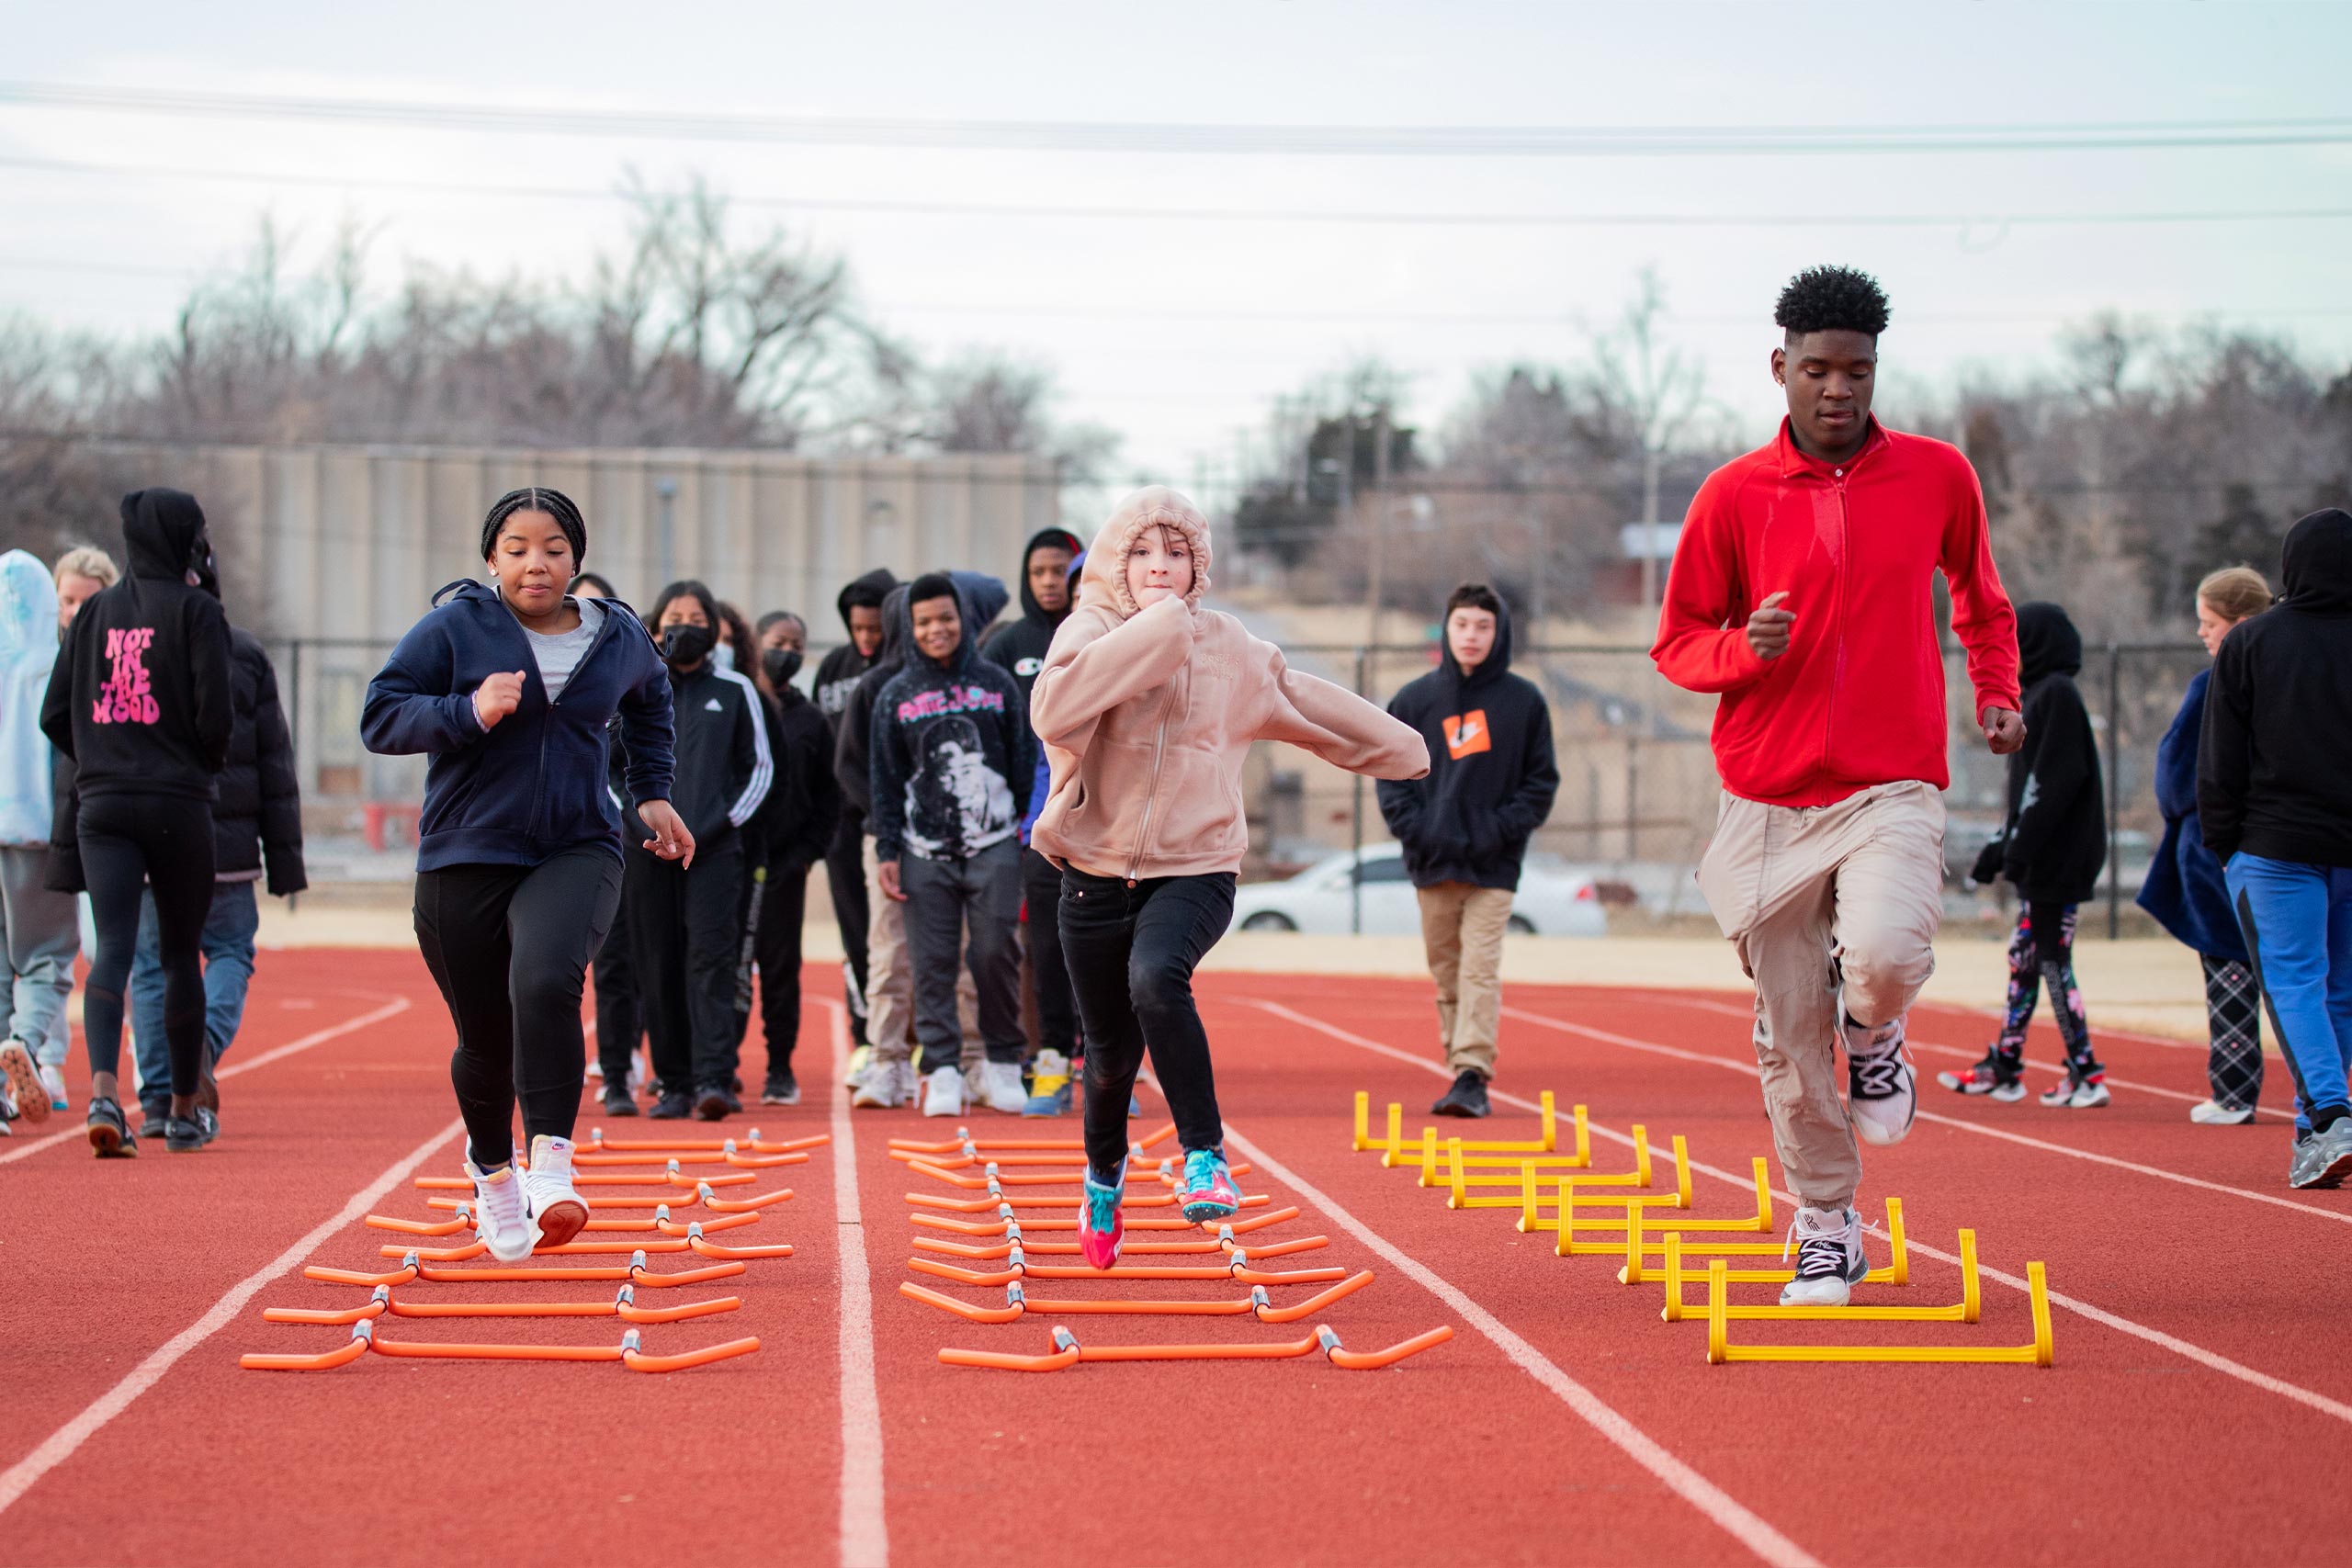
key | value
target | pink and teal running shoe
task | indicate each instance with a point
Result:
(1207, 1191)
(1099, 1225)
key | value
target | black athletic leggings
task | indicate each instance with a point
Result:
(509, 946)
(130, 843)
(1131, 951)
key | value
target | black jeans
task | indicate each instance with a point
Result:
(845, 880)
(1041, 892)
(619, 1026)
(130, 843)
(947, 898)
(509, 946)
(1132, 950)
(687, 933)
(784, 904)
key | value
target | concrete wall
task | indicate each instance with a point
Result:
(339, 548)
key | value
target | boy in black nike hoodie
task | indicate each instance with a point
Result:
(2052, 845)
(1464, 826)
(685, 922)
(1045, 589)
(139, 699)
(952, 762)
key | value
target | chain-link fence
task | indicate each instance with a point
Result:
(1637, 781)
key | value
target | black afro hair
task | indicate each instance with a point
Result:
(1832, 300)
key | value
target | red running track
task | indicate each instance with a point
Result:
(2200, 1403)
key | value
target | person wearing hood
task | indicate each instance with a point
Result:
(1148, 706)
(141, 698)
(951, 761)
(1049, 581)
(2052, 846)
(2183, 888)
(39, 931)
(1465, 826)
(256, 831)
(799, 820)
(507, 687)
(860, 604)
(2274, 793)
(685, 922)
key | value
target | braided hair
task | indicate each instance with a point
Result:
(537, 498)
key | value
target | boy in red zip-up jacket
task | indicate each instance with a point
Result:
(1801, 590)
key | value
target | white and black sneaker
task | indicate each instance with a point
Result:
(1881, 1091)
(1828, 1244)
(1996, 1078)
(2074, 1093)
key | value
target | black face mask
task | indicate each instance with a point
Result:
(684, 647)
(203, 571)
(782, 664)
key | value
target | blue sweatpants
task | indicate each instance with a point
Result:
(2298, 925)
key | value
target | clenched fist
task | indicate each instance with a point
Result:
(496, 697)
(1770, 627)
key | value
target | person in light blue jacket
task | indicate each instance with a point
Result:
(2184, 889)
(39, 930)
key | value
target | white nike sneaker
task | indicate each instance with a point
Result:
(1001, 1089)
(1881, 1091)
(1828, 1243)
(942, 1093)
(558, 1211)
(502, 1213)
(22, 1081)
(884, 1086)
(2213, 1114)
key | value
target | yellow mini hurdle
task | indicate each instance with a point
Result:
(1457, 1182)
(1568, 1223)
(1640, 1245)
(2041, 1353)
(1395, 1151)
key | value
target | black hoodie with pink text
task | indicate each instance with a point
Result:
(140, 696)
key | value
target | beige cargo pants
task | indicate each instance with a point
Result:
(1820, 899)
(1462, 932)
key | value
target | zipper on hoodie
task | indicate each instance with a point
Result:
(1838, 619)
(1158, 750)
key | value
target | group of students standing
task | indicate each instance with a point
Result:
(145, 764)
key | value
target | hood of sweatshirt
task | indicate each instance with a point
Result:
(160, 530)
(1034, 613)
(2048, 643)
(27, 611)
(2317, 564)
(28, 653)
(1498, 660)
(871, 588)
(1104, 579)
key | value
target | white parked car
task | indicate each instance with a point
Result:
(1553, 899)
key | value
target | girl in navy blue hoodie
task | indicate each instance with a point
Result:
(508, 686)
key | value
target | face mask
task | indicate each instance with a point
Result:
(782, 665)
(684, 647)
(723, 656)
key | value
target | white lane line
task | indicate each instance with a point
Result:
(1746, 1014)
(865, 1534)
(1719, 1506)
(2156, 1336)
(392, 1009)
(1607, 1038)
(59, 1445)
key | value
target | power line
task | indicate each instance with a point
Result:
(1316, 140)
(1340, 318)
(1201, 214)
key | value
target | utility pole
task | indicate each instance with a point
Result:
(1379, 524)
(667, 489)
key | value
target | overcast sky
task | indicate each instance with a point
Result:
(1178, 332)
